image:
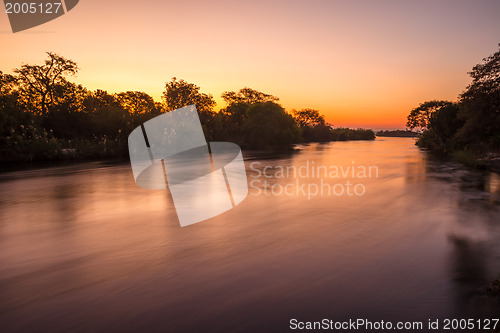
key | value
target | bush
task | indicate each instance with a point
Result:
(29, 143)
(269, 127)
(343, 134)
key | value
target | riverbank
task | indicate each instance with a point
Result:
(38, 148)
(468, 129)
(475, 160)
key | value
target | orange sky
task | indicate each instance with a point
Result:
(361, 63)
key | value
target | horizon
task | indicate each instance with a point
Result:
(360, 64)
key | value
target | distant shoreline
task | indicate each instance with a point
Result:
(398, 134)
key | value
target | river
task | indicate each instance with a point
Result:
(82, 248)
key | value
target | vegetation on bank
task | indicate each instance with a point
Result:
(399, 134)
(468, 129)
(494, 287)
(43, 115)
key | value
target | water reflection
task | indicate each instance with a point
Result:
(473, 235)
(82, 247)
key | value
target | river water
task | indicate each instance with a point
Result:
(404, 238)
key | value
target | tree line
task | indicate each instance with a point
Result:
(469, 128)
(398, 133)
(44, 115)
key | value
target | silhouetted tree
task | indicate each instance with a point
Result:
(308, 117)
(38, 83)
(230, 120)
(99, 100)
(485, 77)
(108, 117)
(471, 126)
(269, 127)
(445, 122)
(420, 116)
(398, 133)
(313, 125)
(179, 93)
(11, 110)
(66, 116)
(344, 134)
(45, 116)
(236, 115)
(247, 96)
(136, 102)
(480, 105)
(7, 83)
(8, 93)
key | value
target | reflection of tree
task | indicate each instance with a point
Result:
(468, 263)
(66, 194)
(473, 233)
(493, 185)
(415, 168)
(468, 268)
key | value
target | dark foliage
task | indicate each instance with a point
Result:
(469, 127)
(399, 134)
(45, 116)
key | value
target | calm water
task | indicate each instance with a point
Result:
(83, 248)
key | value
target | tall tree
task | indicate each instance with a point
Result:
(420, 116)
(99, 100)
(11, 111)
(269, 127)
(480, 103)
(136, 102)
(107, 115)
(485, 77)
(247, 96)
(7, 83)
(39, 82)
(308, 118)
(179, 93)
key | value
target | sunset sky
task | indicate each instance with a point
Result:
(361, 63)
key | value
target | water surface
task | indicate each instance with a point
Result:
(83, 248)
